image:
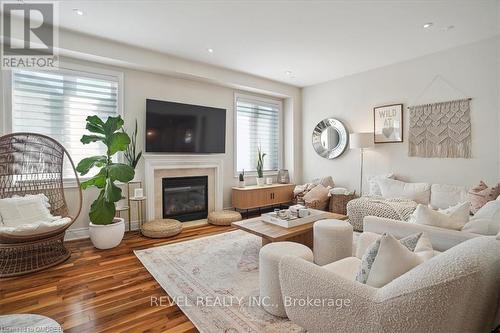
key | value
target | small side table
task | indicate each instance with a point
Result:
(140, 209)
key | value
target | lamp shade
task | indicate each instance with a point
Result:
(360, 140)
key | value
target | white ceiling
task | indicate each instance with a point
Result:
(315, 40)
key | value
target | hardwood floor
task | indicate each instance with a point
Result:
(101, 290)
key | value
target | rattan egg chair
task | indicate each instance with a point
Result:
(32, 164)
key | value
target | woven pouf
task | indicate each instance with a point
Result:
(223, 217)
(161, 228)
(332, 241)
(269, 282)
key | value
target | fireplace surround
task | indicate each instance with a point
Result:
(185, 198)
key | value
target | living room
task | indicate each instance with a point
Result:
(278, 166)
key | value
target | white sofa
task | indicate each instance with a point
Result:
(456, 291)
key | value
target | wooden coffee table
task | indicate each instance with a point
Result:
(272, 233)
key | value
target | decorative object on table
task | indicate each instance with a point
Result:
(241, 182)
(269, 181)
(130, 153)
(138, 192)
(223, 217)
(161, 228)
(329, 138)
(388, 123)
(260, 167)
(396, 209)
(441, 130)
(283, 176)
(287, 219)
(31, 252)
(361, 141)
(338, 202)
(106, 231)
(480, 195)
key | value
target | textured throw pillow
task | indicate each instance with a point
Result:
(481, 194)
(386, 259)
(317, 198)
(418, 192)
(452, 218)
(373, 187)
(325, 181)
(444, 196)
(29, 209)
(486, 221)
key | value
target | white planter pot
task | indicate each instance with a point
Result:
(241, 184)
(107, 236)
(261, 181)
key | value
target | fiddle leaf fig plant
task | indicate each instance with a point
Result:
(110, 133)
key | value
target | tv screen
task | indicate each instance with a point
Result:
(184, 128)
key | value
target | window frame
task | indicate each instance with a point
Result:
(263, 100)
(71, 69)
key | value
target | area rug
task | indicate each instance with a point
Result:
(215, 281)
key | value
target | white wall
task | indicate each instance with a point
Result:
(147, 74)
(471, 68)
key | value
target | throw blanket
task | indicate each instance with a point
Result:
(397, 209)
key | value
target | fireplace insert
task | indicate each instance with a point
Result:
(185, 198)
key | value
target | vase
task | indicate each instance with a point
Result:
(241, 183)
(261, 181)
(107, 236)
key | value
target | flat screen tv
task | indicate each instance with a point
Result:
(184, 128)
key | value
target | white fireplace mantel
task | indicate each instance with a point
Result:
(155, 162)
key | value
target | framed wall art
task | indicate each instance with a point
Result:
(388, 123)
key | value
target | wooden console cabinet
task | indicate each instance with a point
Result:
(250, 197)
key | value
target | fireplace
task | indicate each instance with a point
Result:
(185, 198)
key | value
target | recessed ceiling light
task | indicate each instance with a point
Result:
(78, 11)
(428, 25)
(289, 73)
(209, 50)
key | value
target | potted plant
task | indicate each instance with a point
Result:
(106, 230)
(130, 153)
(242, 179)
(260, 167)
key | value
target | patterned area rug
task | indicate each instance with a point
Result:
(215, 281)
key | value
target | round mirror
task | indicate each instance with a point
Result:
(329, 138)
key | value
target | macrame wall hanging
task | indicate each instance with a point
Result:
(440, 129)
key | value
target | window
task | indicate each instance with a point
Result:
(258, 124)
(57, 102)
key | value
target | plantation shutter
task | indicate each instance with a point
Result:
(56, 103)
(258, 125)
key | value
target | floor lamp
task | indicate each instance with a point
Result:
(361, 141)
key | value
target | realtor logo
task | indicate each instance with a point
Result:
(30, 35)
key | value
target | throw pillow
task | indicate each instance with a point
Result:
(373, 187)
(317, 198)
(325, 181)
(486, 221)
(418, 192)
(385, 260)
(29, 209)
(481, 194)
(444, 196)
(452, 218)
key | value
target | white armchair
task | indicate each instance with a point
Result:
(456, 291)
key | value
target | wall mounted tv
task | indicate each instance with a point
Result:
(184, 128)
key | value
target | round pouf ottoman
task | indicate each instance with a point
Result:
(223, 217)
(161, 228)
(269, 282)
(332, 241)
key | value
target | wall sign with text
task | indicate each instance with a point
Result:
(388, 123)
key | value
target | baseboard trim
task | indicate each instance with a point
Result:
(82, 233)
